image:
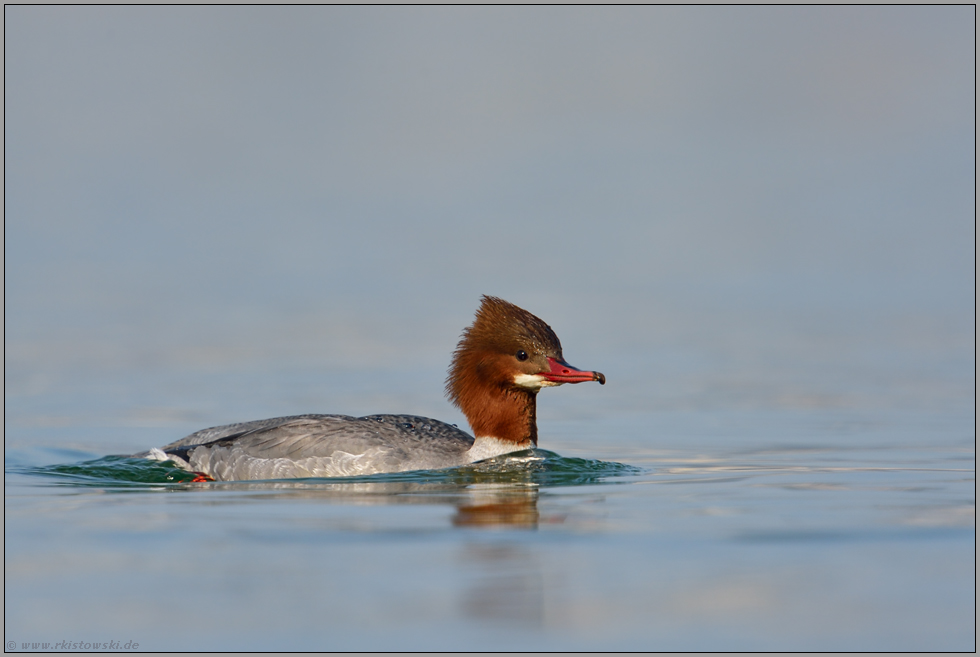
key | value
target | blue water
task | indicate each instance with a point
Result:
(759, 223)
(708, 531)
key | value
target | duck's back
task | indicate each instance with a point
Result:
(321, 446)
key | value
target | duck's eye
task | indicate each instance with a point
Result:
(521, 354)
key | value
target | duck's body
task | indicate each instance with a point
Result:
(326, 446)
(501, 362)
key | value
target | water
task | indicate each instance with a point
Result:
(772, 485)
(734, 530)
(759, 223)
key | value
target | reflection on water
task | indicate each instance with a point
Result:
(492, 506)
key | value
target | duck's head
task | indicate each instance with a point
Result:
(500, 363)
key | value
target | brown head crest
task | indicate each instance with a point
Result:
(500, 328)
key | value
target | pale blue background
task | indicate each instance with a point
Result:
(202, 187)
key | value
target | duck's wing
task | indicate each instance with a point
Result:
(239, 429)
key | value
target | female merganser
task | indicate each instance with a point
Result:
(499, 365)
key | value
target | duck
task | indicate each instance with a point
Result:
(503, 359)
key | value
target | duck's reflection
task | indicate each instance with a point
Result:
(488, 506)
(503, 579)
(508, 583)
(513, 504)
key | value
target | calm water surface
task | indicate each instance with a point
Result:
(825, 529)
(759, 224)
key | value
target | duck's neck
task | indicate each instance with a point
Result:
(507, 415)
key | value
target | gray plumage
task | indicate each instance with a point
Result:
(320, 446)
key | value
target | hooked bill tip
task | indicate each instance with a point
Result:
(600, 377)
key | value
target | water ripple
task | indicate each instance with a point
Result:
(536, 467)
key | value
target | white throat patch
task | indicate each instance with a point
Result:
(533, 381)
